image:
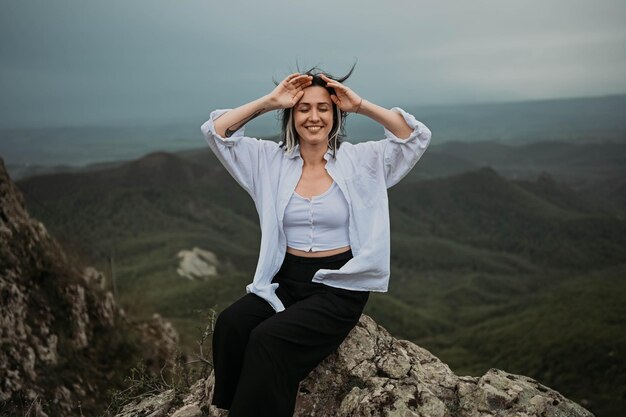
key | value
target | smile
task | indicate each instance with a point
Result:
(314, 128)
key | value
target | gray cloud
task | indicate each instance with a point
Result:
(77, 62)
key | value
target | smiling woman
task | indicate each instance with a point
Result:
(315, 102)
(313, 118)
(325, 237)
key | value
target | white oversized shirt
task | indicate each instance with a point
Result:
(363, 172)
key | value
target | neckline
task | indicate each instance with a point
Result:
(296, 152)
(316, 197)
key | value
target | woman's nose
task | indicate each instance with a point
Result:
(314, 115)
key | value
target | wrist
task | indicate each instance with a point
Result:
(359, 108)
(269, 103)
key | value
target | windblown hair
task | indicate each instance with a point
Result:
(289, 136)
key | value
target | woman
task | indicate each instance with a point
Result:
(325, 243)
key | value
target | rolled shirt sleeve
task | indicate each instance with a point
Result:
(239, 154)
(393, 155)
(398, 155)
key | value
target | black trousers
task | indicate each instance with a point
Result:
(260, 356)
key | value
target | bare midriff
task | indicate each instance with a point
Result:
(317, 254)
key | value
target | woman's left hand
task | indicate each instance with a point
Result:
(346, 99)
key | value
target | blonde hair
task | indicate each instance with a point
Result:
(291, 137)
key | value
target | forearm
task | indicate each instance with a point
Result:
(394, 122)
(229, 122)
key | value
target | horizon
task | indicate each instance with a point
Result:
(179, 122)
(502, 122)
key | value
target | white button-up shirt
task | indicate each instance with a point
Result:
(363, 172)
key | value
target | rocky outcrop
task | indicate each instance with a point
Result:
(197, 264)
(373, 374)
(65, 343)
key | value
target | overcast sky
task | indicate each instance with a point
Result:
(134, 61)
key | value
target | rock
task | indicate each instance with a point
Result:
(373, 374)
(197, 264)
(91, 274)
(80, 317)
(194, 404)
(152, 406)
(161, 340)
(191, 410)
(59, 324)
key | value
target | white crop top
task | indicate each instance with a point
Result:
(317, 223)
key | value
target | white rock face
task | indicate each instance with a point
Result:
(197, 264)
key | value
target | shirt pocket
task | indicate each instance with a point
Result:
(362, 190)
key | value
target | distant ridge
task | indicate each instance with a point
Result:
(585, 119)
(588, 120)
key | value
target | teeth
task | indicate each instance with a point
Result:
(314, 128)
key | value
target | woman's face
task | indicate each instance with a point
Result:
(313, 115)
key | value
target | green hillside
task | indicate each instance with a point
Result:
(484, 210)
(487, 272)
(579, 165)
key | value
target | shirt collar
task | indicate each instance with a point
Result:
(296, 152)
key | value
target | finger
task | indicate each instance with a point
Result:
(301, 87)
(303, 83)
(291, 77)
(302, 79)
(306, 78)
(330, 80)
(335, 84)
(296, 98)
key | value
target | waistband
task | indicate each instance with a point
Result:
(318, 260)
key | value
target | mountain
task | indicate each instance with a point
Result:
(578, 165)
(481, 209)
(65, 341)
(474, 253)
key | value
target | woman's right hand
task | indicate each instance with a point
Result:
(289, 91)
